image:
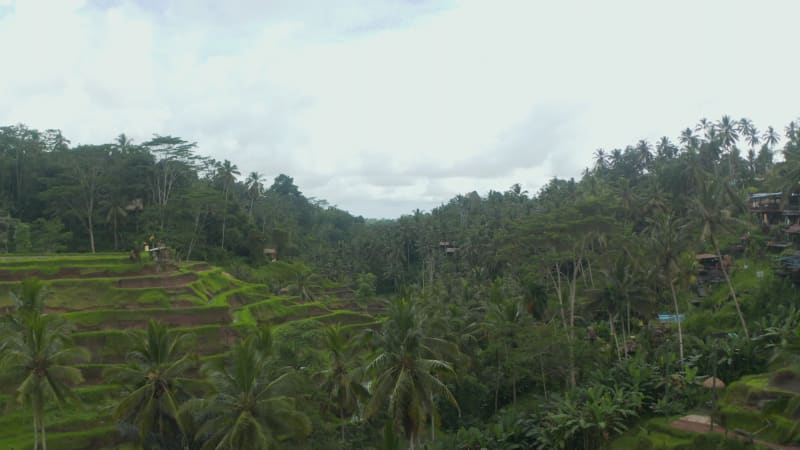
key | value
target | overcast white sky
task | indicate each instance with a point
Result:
(384, 106)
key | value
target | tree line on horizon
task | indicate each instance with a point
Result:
(515, 315)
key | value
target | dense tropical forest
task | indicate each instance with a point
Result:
(587, 315)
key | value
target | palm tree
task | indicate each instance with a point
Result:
(728, 135)
(255, 186)
(771, 137)
(667, 242)
(503, 319)
(341, 380)
(226, 173)
(115, 211)
(249, 408)
(406, 369)
(704, 125)
(750, 132)
(155, 376)
(689, 139)
(600, 159)
(711, 212)
(123, 142)
(665, 149)
(305, 283)
(792, 131)
(37, 351)
(644, 154)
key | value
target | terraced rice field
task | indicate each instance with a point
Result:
(105, 295)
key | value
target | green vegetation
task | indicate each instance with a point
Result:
(501, 321)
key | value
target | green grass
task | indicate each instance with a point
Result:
(127, 318)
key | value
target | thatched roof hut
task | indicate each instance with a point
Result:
(712, 382)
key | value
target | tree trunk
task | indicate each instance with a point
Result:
(544, 378)
(614, 335)
(224, 223)
(35, 433)
(497, 384)
(628, 313)
(677, 319)
(573, 378)
(224, 219)
(90, 226)
(341, 421)
(730, 286)
(116, 241)
(44, 434)
(433, 422)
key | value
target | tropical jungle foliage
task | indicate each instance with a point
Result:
(509, 320)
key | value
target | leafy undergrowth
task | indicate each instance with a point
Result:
(767, 405)
(657, 433)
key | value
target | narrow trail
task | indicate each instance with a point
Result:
(702, 424)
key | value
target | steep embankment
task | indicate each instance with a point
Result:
(105, 296)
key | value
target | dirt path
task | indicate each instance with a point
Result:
(702, 424)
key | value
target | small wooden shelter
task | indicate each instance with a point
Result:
(713, 383)
(271, 253)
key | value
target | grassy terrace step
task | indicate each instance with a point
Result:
(65, 295)
(59, 266)
(109, 346)
(768, 404)
(85, 423)
(79, 295)
(138, 318)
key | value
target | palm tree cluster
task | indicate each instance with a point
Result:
(37, 356)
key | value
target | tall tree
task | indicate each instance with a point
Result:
(36, 351)
(666, 243)
(175, 159)
(255, 186)
(250, 407)
(155, 375)
(771, 137)
(226, 175)
(711, 212)
(407, 369)
(341, 380)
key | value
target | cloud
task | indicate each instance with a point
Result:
(386, 106)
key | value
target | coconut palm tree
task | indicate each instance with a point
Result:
(255, 186)
(667, 240)
(250, 408)
(750, 132)
(226, 174)
(503, 320)
(771, 137)
(665, 149)
(341, 380)
(156, 377)
(407, 369)
(644, 154)
(115, 212)
(704, 125)
(710, 212)
(792, 131)
(728, 135)
(305, 283)
(37, 352)
(600, 160)
(689, 139)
